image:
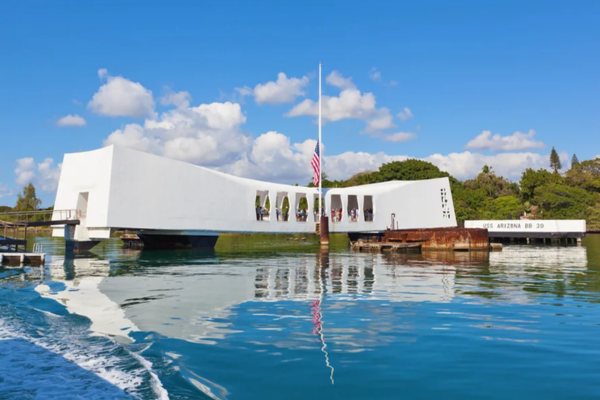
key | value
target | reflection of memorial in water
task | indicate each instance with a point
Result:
(521, 274)
(200, 302)
(360, 277)
(80, 283)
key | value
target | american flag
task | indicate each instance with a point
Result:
(316, 166)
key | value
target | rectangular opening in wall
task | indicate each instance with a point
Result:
(301, 207)
(82, 204)
(336, 208)
(282, 209)
(353, 212)
(262, 205)
(368, 208)
(316, 207)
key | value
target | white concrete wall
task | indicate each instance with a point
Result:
(417, 204)
(80, 173)
(151, 192)
(135, 190)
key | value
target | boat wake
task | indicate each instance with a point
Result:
(46, 352)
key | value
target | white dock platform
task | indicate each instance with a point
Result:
(537, 229)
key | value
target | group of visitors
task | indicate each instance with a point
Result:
(282, 216)
(301, 215)
(336, 214)
(353, 214)
(262, 213)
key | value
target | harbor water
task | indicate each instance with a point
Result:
(265, 317)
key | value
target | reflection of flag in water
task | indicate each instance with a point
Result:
(315, 310)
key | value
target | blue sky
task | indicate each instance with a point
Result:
(191, 81)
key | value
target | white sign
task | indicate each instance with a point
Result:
(539, 225)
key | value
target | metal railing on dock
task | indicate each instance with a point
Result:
(14, 224)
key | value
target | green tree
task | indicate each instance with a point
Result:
(494, 186)
(560, 201)
(585, 175)
(555, 161)
(593, 218)
(506, 207)
(408, 170)
(574, 161)
(5, 209)
(28, 201)
(532, 179)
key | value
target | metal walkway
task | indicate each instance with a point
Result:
(13, 225)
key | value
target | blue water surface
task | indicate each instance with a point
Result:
(302, 323)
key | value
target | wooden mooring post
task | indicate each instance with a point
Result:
(324, 230)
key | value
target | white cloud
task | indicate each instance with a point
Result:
(71, 120)
(374, 74)
(515, 142)
(24, 171)
(405, 114)
(209, 134)
(350, 104)
(399, 137)
(466, 165)
(177, 99)
(336, 79)
(132, 136)
(284, 90)
(343, 166)
(5, 191)
(44, 177)
(102, 73)
(272, 157)
(120, 97)
(48, 175)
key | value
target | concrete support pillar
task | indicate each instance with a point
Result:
(69, 238)
(579, 242)
(528, 241)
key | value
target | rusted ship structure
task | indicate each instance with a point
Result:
(450, 239)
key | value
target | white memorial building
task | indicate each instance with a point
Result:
(173, 203)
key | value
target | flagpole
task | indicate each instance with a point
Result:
(320, 152)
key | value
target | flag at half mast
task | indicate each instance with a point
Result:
(316, 165)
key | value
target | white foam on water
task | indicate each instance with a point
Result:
(48, 365)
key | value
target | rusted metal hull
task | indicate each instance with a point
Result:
(442, 238)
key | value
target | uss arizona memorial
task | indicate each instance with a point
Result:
(173, 203)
